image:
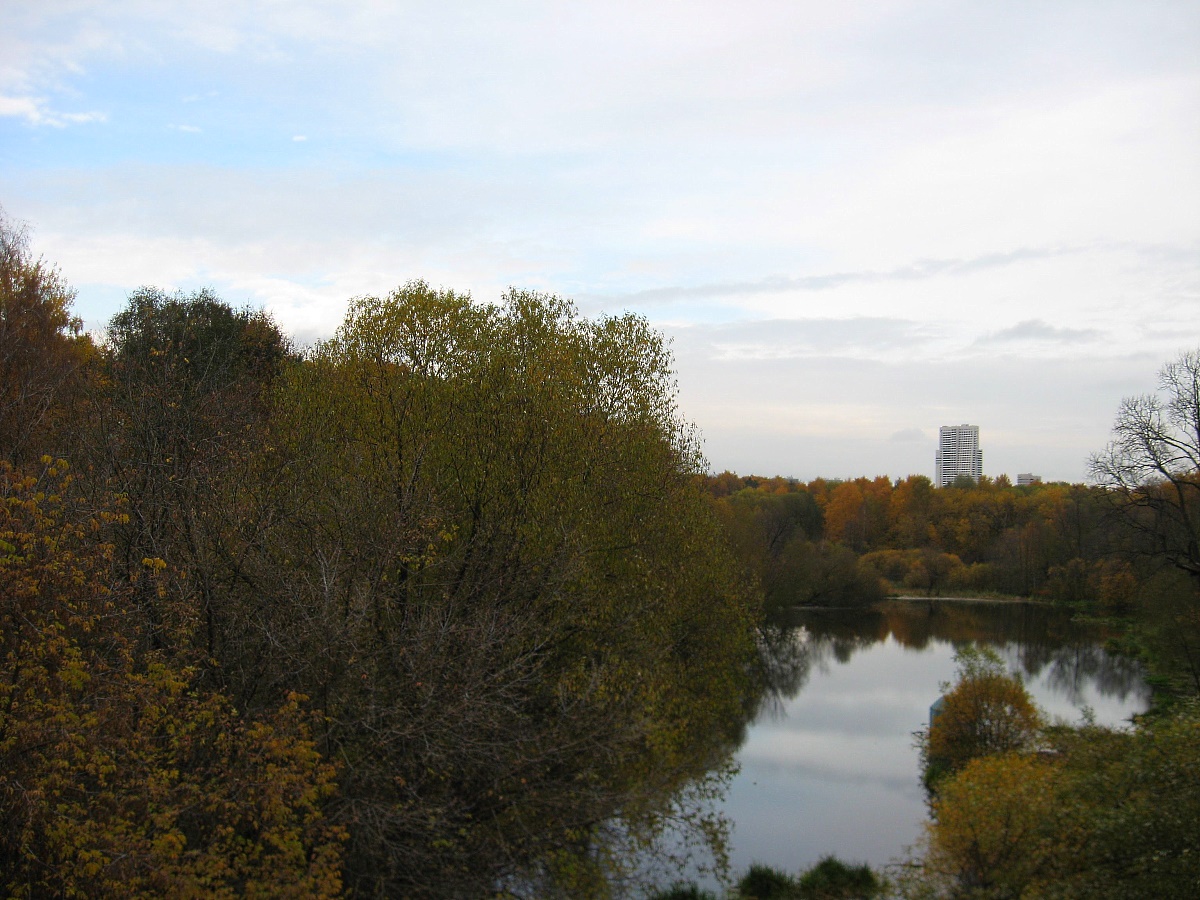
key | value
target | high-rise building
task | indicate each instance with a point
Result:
(958, 454)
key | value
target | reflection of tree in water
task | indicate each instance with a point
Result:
(1071, 668)
(786, 656)
(1033, 638)
(788, 652)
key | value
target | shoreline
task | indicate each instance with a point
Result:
(923, 599)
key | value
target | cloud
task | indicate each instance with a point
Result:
(299, 138)
(916, 271)
(1035, 330)
(35, 112)
(776, 339)
(909, 435)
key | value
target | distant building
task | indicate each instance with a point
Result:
(1024, 479)
(958, 454)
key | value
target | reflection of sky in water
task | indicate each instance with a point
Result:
(834, 769)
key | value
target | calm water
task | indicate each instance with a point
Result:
(828, 765)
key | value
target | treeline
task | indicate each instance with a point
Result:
(836, 540)
(434, 608)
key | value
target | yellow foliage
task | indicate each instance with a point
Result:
(988, 826)
(987, 711)
(118, 775)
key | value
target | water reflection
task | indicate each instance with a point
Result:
(828, 764)
(1040, 643)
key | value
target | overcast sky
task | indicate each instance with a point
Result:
(856, 221)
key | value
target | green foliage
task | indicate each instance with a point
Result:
(473, 537)
(832, 879)
(471, 534)
(761, 882)
(828, 879)
(1167, 632)
(683, 891)
(776, 536)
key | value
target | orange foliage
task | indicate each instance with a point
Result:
(987, 711)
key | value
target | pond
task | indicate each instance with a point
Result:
(829, 765)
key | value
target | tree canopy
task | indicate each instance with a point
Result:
(436, 608)
(41, 348)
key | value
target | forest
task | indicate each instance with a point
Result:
(1127, 552)
(449, 605)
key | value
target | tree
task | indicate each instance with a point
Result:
(119, 773)
(771, 534)
(1150, 473)
(1107, 813)
(986, 711)
(182, 404)
(931, 570)
(910, 512)
(474, 537)
(986, 838)
(832, 879)
(1152, 465)
(41, 349)
(856, 514)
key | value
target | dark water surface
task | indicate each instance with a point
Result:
(828, 764)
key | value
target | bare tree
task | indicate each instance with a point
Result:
(1152, 464)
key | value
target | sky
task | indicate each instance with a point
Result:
(856, 222)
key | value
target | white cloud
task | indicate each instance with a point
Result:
(35, 111)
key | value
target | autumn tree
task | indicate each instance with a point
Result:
(1108, 813)
(985, 711)
(474, 537)
(986, 836)
(911, 508)
(856, 514)
(42, 349)
(119, 774)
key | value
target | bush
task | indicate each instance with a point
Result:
(683, 890)
(761, 882)
(987, 711)
(832, 879)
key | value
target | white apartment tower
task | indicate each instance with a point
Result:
(958, 454)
